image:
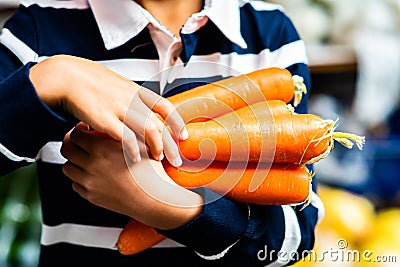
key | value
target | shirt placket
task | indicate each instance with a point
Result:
(169, 48)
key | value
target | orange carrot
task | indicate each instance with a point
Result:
(261, 110)
(136, 237)
(244, 135)
(214, 99)
(248, 183)
(266, 132)
(251, 183)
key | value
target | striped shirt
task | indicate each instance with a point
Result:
(225, 39)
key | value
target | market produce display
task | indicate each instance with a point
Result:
(253, 134)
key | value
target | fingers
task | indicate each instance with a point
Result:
(84, 139)
(73, 171)
(76, 174)
(75, 156)
(171, 149)
(156, 136)
(128, 138)
(168, 113)
(82, 126)
(79, 189)
(130, 143)
(167, 110)
(73, 153)
(148, 128)
(139, 121)
(111, 125)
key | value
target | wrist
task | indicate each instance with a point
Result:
(158, 201)
(166, 216)
(48, 78)
(179, 216)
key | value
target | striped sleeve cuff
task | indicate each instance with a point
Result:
(28, 123)
(220, 226)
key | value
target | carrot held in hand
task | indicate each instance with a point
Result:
(276, 184)
(136, 237)
(252, 134)
(215, 99)
(263, 109)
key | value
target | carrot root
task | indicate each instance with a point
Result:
(290, 108)
(345, 139)
(300, 89)
(309, 198)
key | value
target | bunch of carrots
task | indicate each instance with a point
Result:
(247, 143)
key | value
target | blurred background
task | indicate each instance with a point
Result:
(354, 52)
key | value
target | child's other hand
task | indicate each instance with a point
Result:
(142, 190)
(110, 104)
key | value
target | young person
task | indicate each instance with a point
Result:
(65, 61)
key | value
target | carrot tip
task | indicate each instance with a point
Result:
(300, 89)
(309, 198)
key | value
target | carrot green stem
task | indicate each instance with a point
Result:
(300, 89)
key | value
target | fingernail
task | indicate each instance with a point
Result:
(138, 158)
(161, 157)
(177, 162)
(184, 134)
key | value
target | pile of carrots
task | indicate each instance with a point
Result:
(247, 143)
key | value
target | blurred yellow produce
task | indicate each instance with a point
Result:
(353, 234)
(349, 215)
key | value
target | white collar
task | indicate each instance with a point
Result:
(121, 20)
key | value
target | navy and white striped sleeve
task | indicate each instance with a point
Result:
(26, 122)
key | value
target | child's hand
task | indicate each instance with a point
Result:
(110, 104)
(142, 190)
